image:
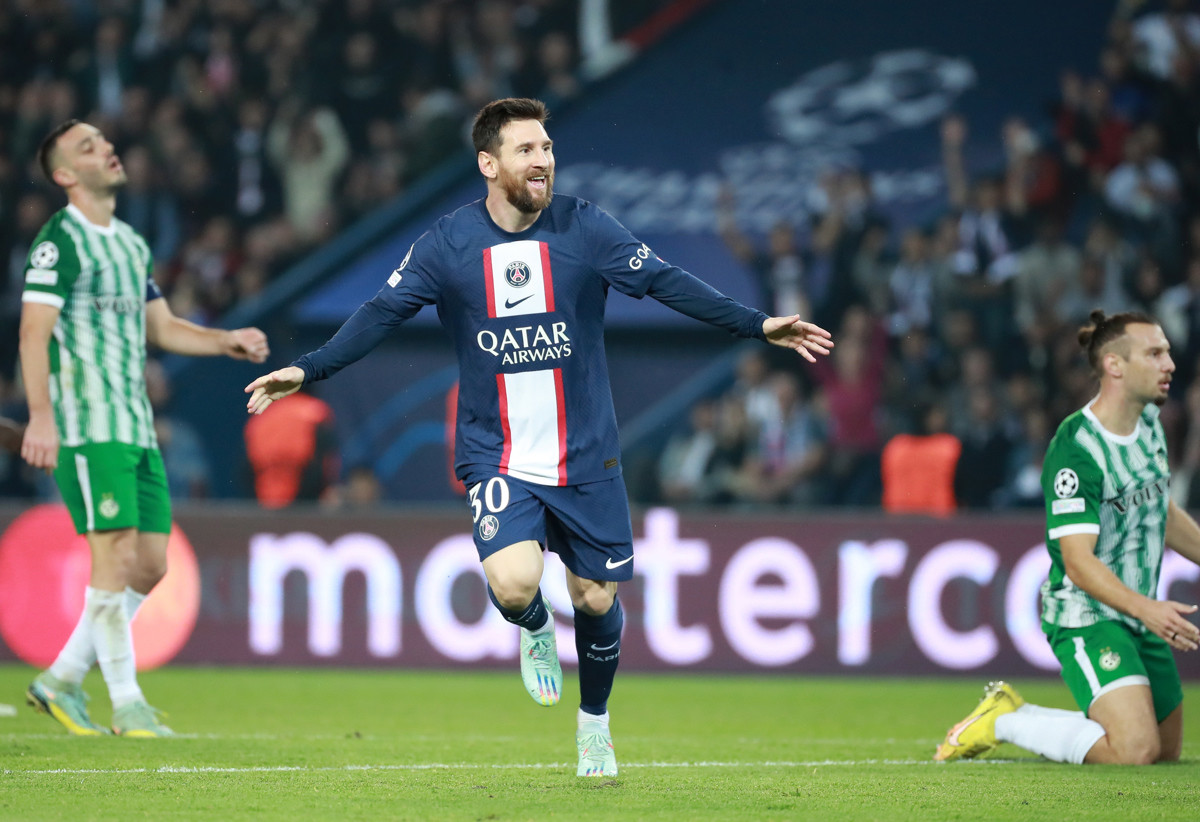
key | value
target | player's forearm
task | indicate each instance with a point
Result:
(689, 295)
(1183, 533)
(357, 337)
(1094, 578)
(35, 372)
(180, 336)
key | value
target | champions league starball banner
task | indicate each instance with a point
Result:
(865, 594)
(759, 102)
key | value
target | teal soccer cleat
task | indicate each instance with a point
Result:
(63, 701)
(540, 668)
(596, 754)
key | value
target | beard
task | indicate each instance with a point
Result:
(519, 195)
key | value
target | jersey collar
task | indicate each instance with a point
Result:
(106, 230)
(1128, 439)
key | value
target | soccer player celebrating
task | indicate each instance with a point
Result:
(1108, 517)
(519, 280)
(88, 307)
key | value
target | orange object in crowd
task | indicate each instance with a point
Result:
(918, 474)
(291, 450)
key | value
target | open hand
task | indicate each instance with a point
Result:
(274, 386)
(792, 332)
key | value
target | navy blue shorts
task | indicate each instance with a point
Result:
(586, 525)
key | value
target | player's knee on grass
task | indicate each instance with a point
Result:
(1136, 749)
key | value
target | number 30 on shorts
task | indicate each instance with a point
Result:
(495, 497)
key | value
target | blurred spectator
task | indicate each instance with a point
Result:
(292, 451)
(1023, 487)
(1144, 191)
(309, 151)
(779, 268)
(1161, 36)
(361, 488)
(989, 233)
(1046, 270)
(147, 205)
(183, 452)
(788, 459)
(852, 382)
(919, 469)
(910, 287)
(683, 466)
(986, 451)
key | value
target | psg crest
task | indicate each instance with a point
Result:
(517, 274)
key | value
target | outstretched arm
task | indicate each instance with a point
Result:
(357, 337)
(180, 336)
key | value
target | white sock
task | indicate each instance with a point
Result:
(114, 646)
(79, 654)
(584, 716)
(1061, 736)
(133, 602)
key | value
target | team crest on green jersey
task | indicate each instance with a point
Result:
(109, 507)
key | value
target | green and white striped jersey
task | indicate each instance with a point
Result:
(1096, 482)
(99, 278)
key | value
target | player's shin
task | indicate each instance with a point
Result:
(598, 642)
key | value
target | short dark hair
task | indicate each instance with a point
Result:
(1105, 329)
(485, 134)
(45, 152)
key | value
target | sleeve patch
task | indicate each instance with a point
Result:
(45, 255)
(40, 276)
(396, 277)
(1068, 506)
(1066, 483)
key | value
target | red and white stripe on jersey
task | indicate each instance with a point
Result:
(534, 420)
(518, 280)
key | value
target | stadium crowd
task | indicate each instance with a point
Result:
(965, 329)
(251, 132)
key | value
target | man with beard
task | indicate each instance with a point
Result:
(1109, 515)
(87, 309)
(520, 280)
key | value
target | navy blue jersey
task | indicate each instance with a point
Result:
(525, 312)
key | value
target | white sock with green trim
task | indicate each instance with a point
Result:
(114, 646)
(1058, 735)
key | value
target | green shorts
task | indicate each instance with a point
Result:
(1110, 655)
(111, 485)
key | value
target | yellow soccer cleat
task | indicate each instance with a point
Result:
(976, 735)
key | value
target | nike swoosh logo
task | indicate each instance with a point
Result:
(515, 303)
(606, 647)
(609, 564)
(957, 730)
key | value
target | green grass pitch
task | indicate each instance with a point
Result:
(322, 744)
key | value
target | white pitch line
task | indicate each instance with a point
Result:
(468, 766)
